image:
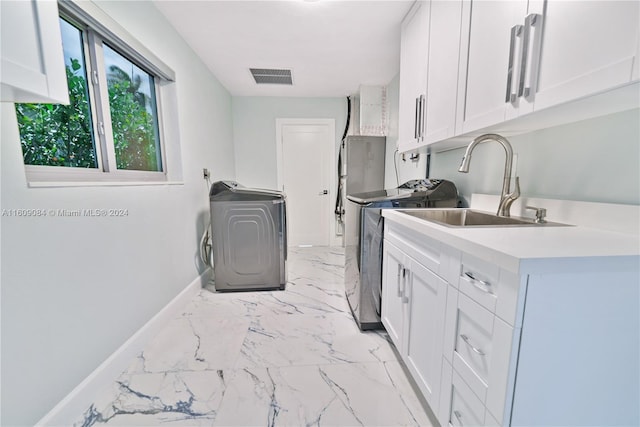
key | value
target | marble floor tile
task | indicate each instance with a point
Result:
(308, 340)
(150, 399)
(273, 358)
(360, 394)
(195, 344)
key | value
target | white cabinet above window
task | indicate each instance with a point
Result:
(33, 68)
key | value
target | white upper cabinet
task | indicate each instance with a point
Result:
(491, 34)
(414, 44)
(587, 47)
(32, 57)
(442, 76)
(430, 42)
(520, 56)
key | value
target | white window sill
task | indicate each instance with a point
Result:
(57, 177)
(52, 184)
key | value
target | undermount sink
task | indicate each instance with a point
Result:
(472, 218)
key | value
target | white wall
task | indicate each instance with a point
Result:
(75, 289)
(254, 131)
(407, 169)
(596, 160)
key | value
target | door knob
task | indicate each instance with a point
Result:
(323, 192)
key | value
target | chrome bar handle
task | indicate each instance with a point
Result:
(515, 32)
(423, 108)
(415, 123)
(532, 20)
(474, 349)
(400, 276)
(405, 299)
(524, 54)
(480, 284)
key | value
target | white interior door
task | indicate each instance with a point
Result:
(305, 173)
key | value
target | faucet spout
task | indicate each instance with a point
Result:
(466, 159)
(506, 197)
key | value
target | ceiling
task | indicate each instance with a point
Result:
(332, 47)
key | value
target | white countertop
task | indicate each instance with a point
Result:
(532, 248)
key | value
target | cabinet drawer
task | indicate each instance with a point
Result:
(458, 405)
(466, 409)
(495, 289)
(482, 353)
(429, 252)
(473, 346)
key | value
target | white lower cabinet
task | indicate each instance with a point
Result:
(414, 303)
(393, 306)
(426, 295)
(481, 346)
(556, 343)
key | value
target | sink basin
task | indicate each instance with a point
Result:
(472, 218)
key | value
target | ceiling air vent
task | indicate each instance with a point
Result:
(271, 76)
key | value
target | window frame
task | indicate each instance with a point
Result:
(99, 29)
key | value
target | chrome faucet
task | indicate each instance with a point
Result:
(506, 198)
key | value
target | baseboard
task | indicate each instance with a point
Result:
(71, 408)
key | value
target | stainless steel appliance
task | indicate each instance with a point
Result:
(363, 256)
(249, 235)
(362, 170)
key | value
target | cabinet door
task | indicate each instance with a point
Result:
(490, 37)
(393, 289)
(414, 38)
(442, 76)
(588, 47)
(427, 301)
(32, 58)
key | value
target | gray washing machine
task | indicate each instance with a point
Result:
(249, 236)
(363, 259)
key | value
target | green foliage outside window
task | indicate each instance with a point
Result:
(61, 135)
(133, 126)
(56, 134)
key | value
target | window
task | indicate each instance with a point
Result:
(110, 131)
(56, 134)
(134, 124)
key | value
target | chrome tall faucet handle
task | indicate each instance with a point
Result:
(516, 192)
(504, 209)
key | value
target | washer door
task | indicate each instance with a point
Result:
(374, 270)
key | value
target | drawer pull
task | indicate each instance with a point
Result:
(458, 415)
(480, 284)
(474, 349)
